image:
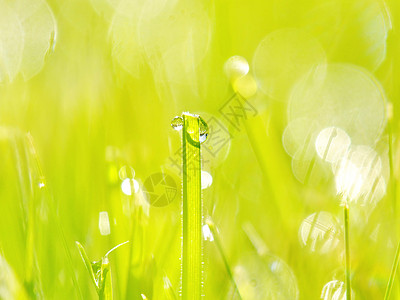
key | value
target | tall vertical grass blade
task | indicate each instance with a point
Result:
(392, 273)
(192, 206)
(192, 209)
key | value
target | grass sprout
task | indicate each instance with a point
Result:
(100, 272)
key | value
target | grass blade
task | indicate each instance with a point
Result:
(214, 232)
(347, 249)
(192, 209)
(194, 128)
(87, 262)
(392, 273)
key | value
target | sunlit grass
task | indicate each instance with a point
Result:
(301, 99)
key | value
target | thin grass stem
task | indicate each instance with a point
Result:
(347, 250)
(218, 243)
(392, 273)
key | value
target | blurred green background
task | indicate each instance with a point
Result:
(88, 89)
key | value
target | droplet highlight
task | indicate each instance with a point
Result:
(177, 123)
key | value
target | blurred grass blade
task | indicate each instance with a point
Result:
(10, 287)
(215, 234)
(87, 262)
(105, 280)
(392, 273)
(169, 291)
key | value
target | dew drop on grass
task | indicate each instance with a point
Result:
(177, 123)
(203, 126)
(282, 57)
(319, 232)
(216, 147)
(203, 137)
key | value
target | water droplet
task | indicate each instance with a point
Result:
(203, 130)
(203, 126)
(203, 137)
(177, 123)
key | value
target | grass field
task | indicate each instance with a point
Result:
(297, 194)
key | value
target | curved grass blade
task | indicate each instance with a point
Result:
(87, 262)
(99, 272)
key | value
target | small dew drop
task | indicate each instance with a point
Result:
(203, 137)
(203, 126)
(203, 130)
(177, 123)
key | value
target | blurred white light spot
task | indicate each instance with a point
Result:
(332, 144)
(235, 67)
(246, 86)
(334, 290)
(104, 223)
(319, 232)
(349, 180)
(126, 172)
(206, 180)
(207, 234)
(128, 184)
(359, 176)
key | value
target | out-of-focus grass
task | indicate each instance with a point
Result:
(104, 99)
